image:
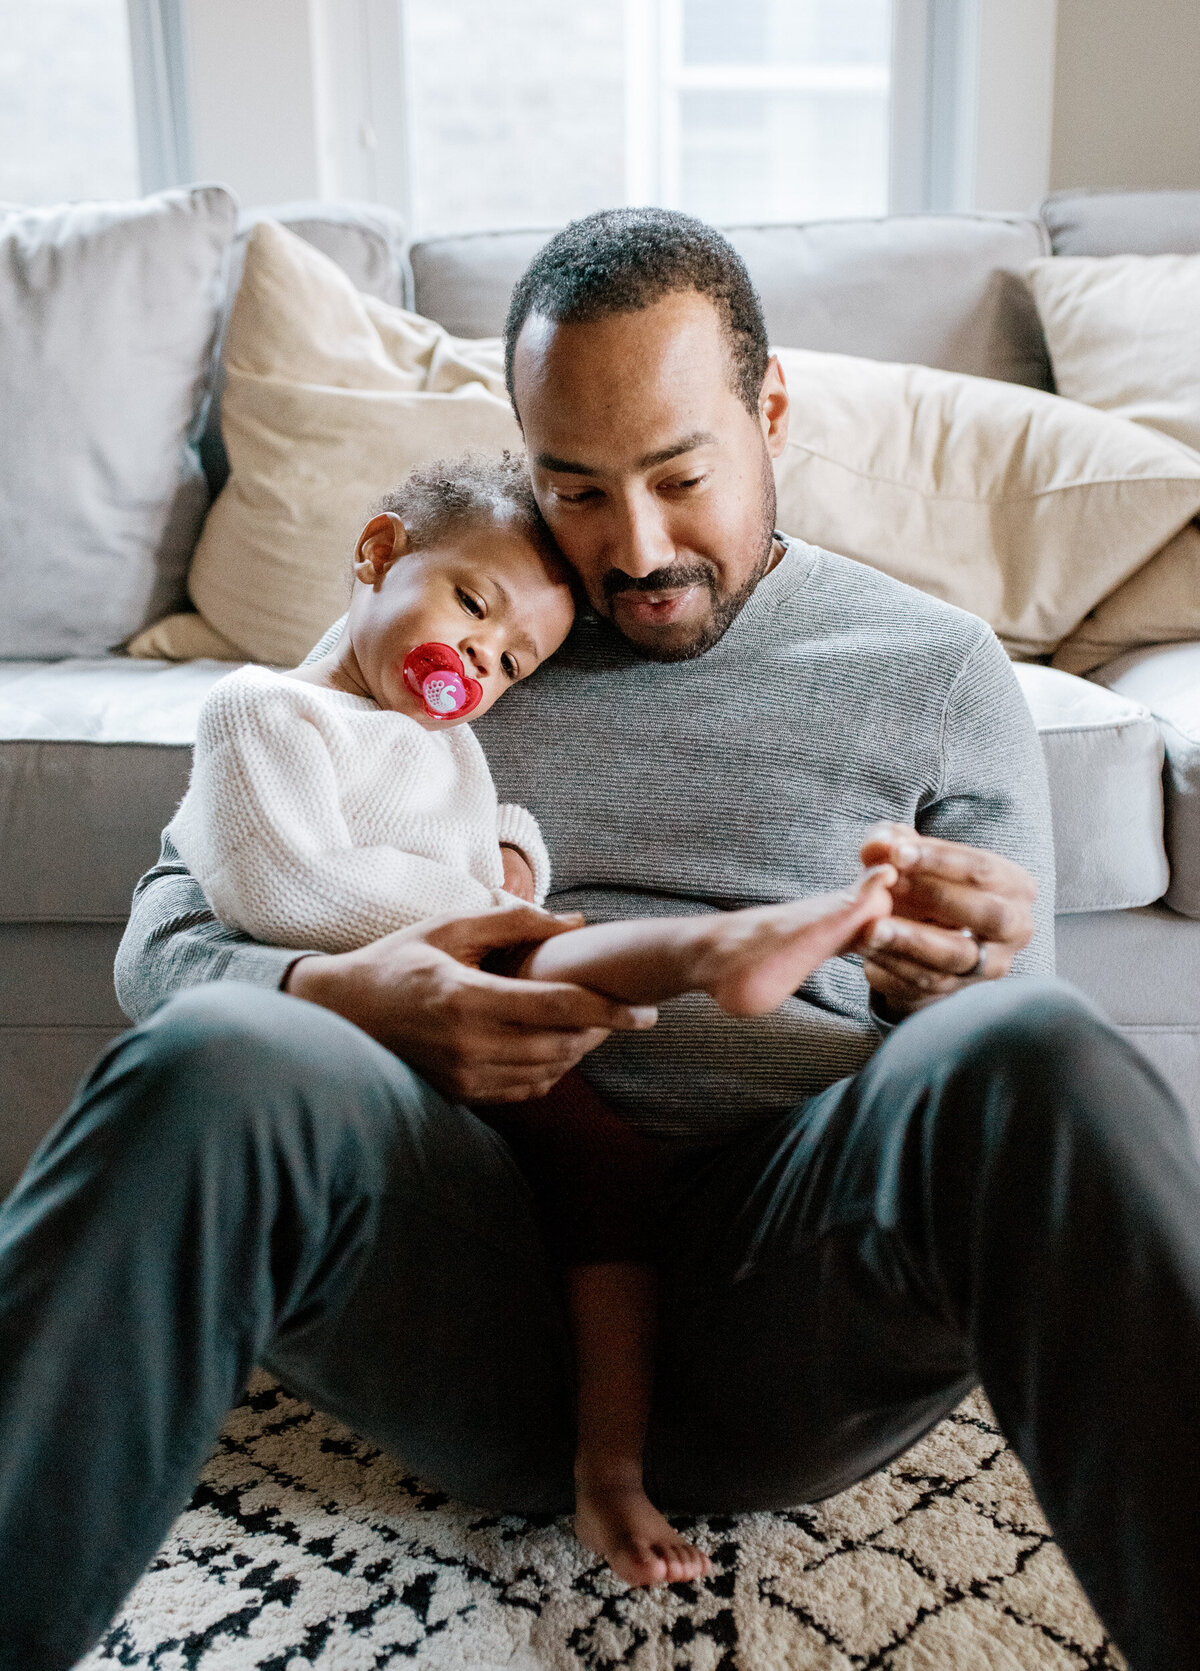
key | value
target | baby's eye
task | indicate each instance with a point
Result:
(470, 604)
(509, 666)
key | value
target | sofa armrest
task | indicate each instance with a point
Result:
(1166, 679)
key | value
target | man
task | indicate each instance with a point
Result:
(912, 1178)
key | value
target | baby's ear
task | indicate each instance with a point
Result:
(382, 541)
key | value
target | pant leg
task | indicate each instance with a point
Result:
(1006, 1193)
(231, 1174)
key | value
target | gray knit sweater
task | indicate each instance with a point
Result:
(838, 697)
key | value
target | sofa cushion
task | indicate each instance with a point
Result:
(1166, 680)
(1015, 504)
(848, 287)
(1124, 335)
(1104, 758)
(108, 317)
(366, 240)
(102, 748)
(1123, 222)
(331, 397)
(1160, 604)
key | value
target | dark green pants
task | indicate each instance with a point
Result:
(1005, 1194)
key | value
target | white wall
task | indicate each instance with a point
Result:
(1014, 103)
(254, 97)
(1127, 94)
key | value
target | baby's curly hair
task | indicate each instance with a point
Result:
(448, 495)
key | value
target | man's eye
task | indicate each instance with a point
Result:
(692, 481)
(470, 604)
(509, 666)
(579, 498)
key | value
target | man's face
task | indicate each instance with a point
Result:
(654, 477)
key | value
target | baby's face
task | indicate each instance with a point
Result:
(488, 593)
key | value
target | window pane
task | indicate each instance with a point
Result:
(786, 32)
(783, 156)
(519, 111)
(66, 101)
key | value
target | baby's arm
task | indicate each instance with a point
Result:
(749, 961)
(262, 830)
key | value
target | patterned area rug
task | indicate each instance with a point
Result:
(305, 1547)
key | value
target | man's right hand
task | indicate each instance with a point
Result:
(476, 1037)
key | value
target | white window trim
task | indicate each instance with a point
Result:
(161, 99)
(656, 77)
(972, 88)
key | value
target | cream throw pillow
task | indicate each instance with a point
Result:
(1124, 334)
(331, 397)
(1160, 604)
(1025, 508)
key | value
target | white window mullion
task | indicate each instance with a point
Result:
(670, 122)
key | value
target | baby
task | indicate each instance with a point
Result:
(348, 798)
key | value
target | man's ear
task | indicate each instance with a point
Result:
(382, 541)
(773, 408)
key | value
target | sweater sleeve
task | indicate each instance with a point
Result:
(515, 827)
(994, 792)
(262, 830)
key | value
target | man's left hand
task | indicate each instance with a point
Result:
(960, 916)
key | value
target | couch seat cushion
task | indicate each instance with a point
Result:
(94, 759)
(1104, 755)
(1166, 679)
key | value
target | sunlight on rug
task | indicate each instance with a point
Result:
(306, 1547)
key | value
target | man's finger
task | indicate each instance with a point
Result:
(898, 992)
(942, 951)
(910, 852)
(908, 979)
(989, 916)
(513, 1047)
(549, 1006)
(507, 925)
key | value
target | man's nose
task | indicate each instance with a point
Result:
(641, 540)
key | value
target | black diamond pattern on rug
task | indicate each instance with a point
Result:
(303, 1546)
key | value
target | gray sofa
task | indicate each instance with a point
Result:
(95, 748)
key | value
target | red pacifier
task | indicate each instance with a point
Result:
(437, 678)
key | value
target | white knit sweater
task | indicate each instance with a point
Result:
(318, 820)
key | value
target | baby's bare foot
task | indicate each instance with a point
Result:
(623, 1525)
(761, 956)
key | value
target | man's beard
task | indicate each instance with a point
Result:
(726, 606)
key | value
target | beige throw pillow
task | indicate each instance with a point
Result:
(1160, 604)
(1124, 334)
(330, 398)
(1025, 508)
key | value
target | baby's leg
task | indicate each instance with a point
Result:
(613, 1313)
(749, 961)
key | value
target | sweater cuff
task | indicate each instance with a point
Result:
(515, 827)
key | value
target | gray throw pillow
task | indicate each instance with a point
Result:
(108, 314)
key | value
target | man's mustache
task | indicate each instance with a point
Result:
(673, 578)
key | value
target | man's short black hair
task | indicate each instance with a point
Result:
(624, 260)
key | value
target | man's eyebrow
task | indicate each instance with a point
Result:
(568, 467)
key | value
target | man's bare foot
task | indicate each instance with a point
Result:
(623, 1525)
(759, 957)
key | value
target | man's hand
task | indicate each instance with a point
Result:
(518, 872)
(960, 915)
(475, 1036)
